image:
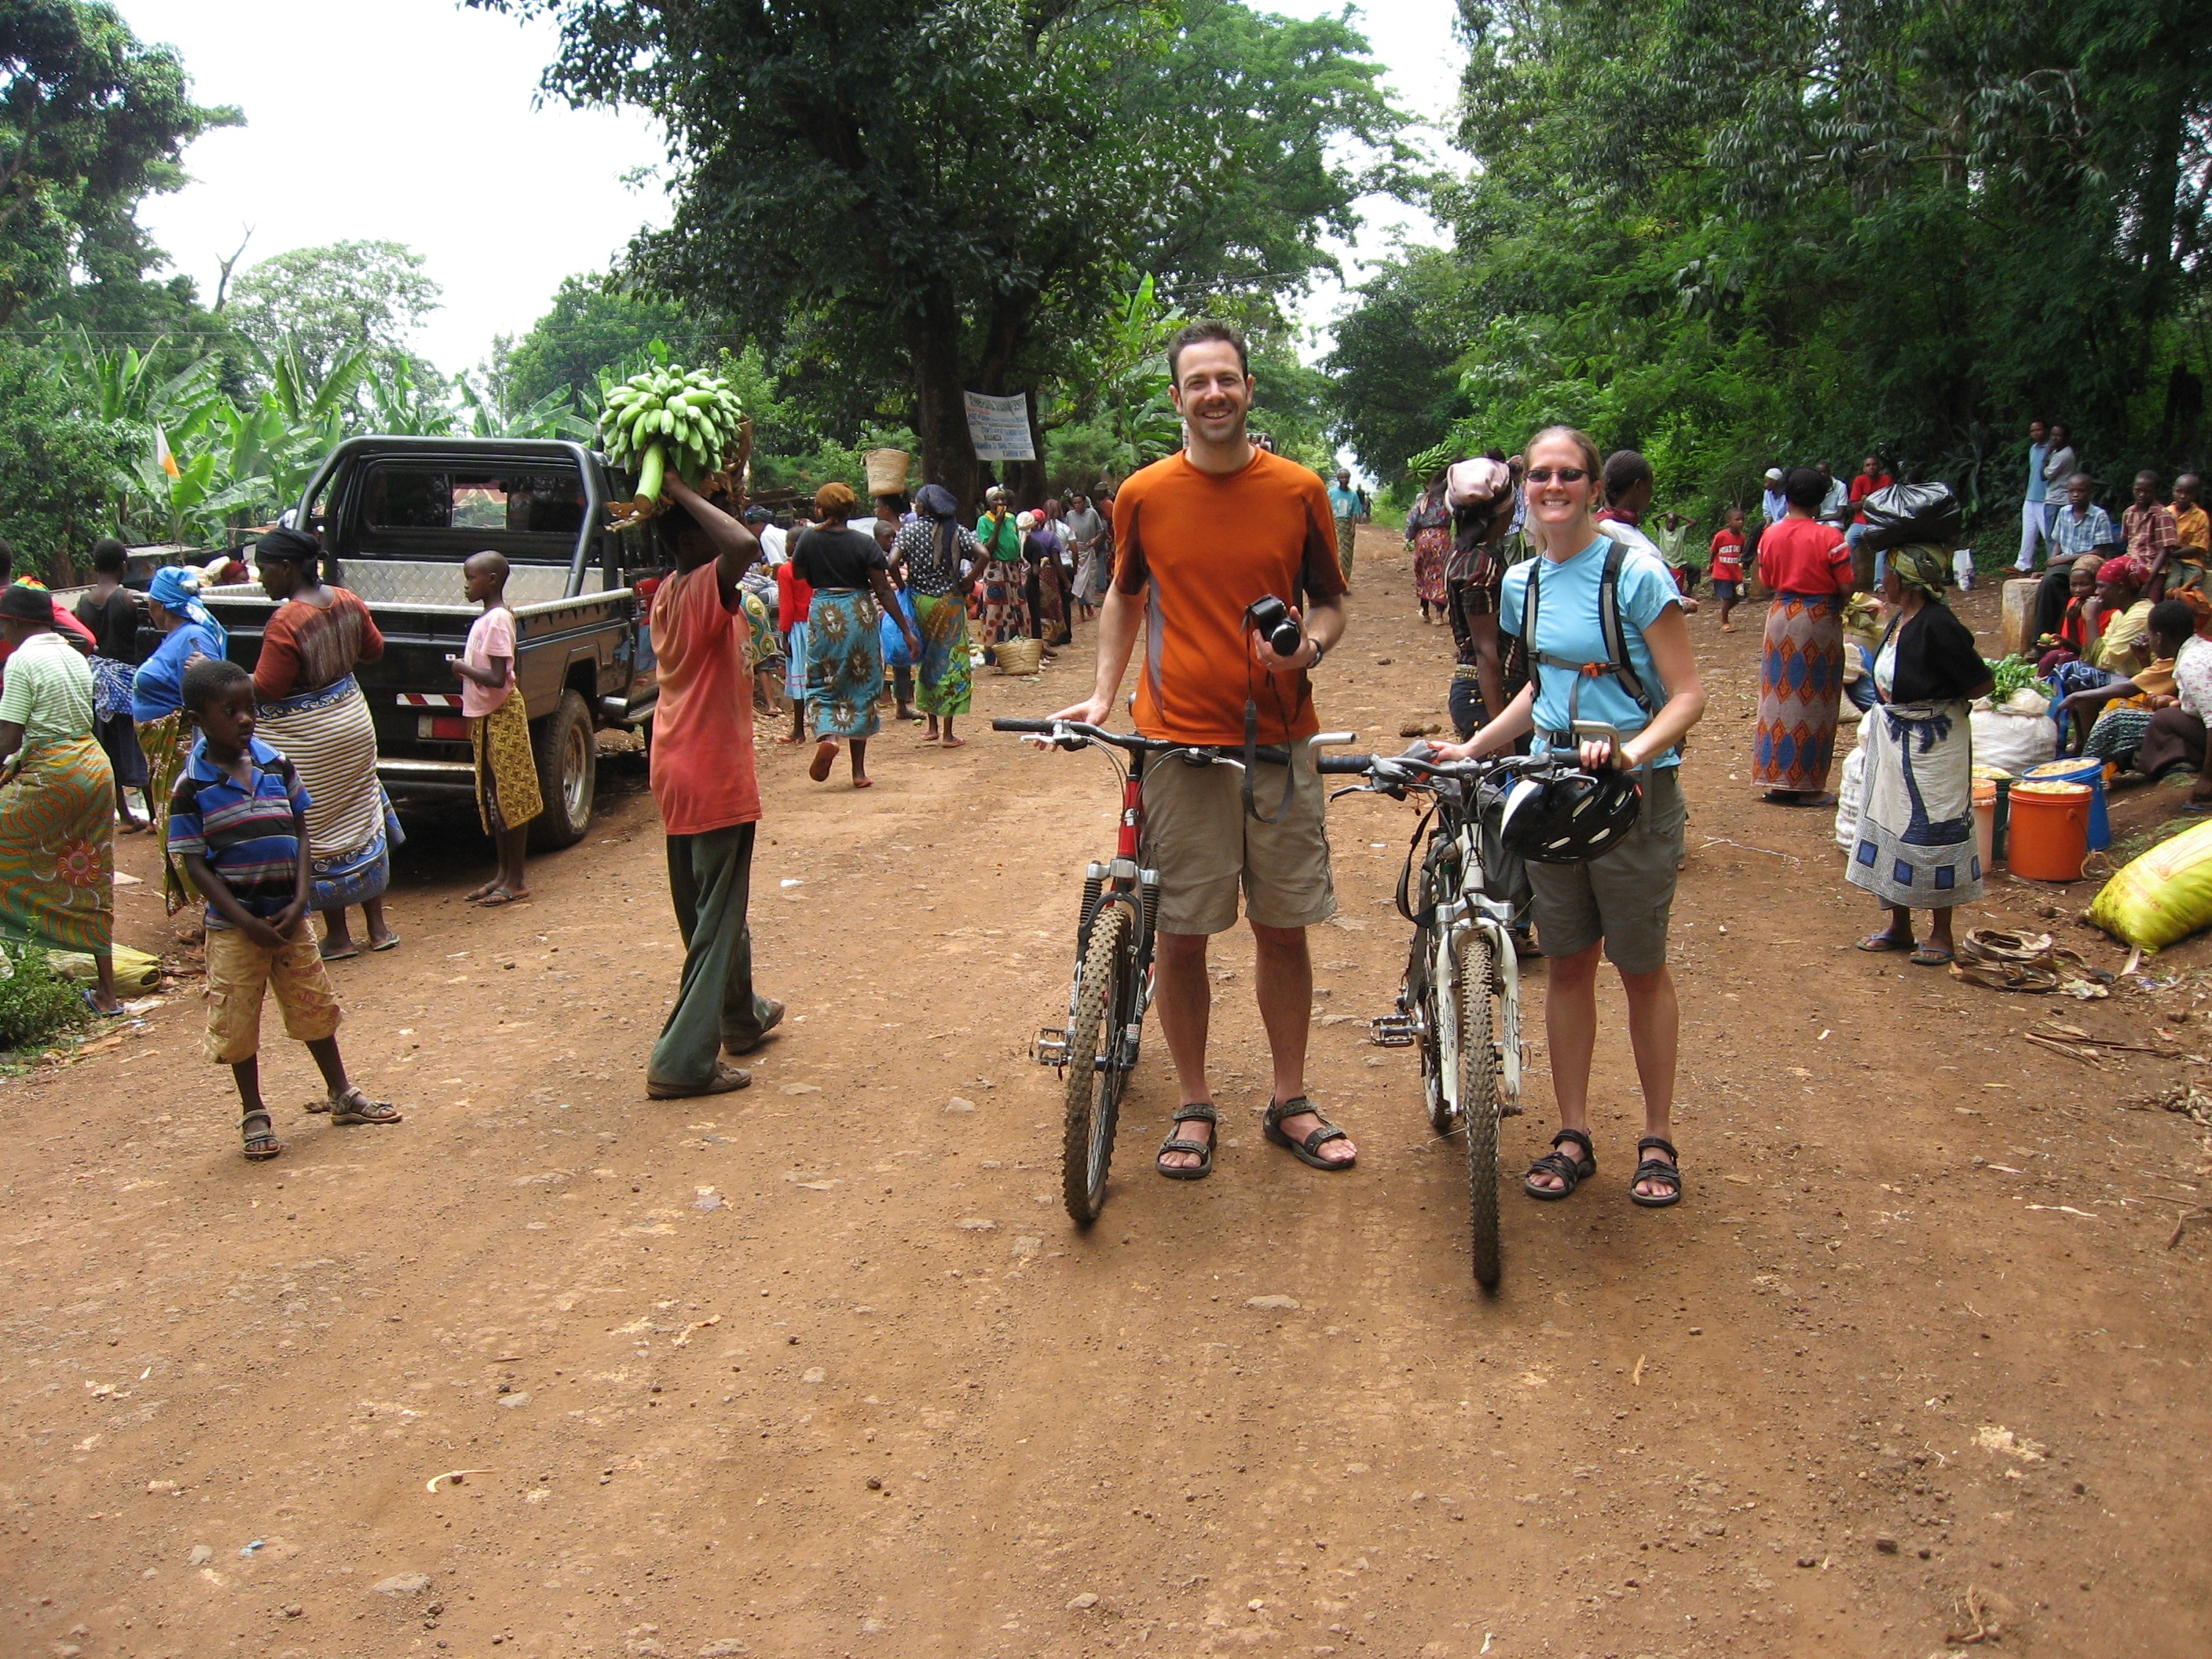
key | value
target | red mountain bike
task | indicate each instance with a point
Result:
(1096, 1049)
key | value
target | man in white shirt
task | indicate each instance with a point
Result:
(761, 523)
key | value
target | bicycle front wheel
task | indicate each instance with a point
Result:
(1103, 1000)
(1478, 1109)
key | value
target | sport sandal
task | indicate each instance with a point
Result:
(1572, 1171)
(1309, 1150)
(1652, 1170)
(1202, 1112)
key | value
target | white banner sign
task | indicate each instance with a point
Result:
(1000, 426)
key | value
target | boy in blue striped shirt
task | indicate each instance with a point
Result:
(238, 824)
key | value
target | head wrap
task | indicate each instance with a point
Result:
(936, 502)
(836, 501)
(2125, 571)
(176, 589)
(2199, 607)
(1920, 567)
(24, 602)
(286, 542)
(1026, 521)
(1774, 475)
(1477, 482)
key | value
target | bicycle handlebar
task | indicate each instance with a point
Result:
(1070, 734)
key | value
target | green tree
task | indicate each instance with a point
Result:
(91, 120)
(58, 465)
(1394, 362)
(322, 302)
(952, 189)
(595, 322)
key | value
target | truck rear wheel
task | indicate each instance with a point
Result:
(568, 774)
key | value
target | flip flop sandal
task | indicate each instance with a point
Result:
(355, 1107)
(1199, 1113)
(825, 756)
(1572, 1171)
(260, 1144)
(117, 1012)
(727, 1079)
(384, 943)
(1879, 942)
(1928, 957)
(1652, 1170)
(1307, 1151)
(346, 955)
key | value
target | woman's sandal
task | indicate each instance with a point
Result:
(1308, 1151)
(1199, 1113)
(1572, 1171)
(1886, 940)
(355, 1107)
(1930, 956)
(262, 1143)
(1652, 1170)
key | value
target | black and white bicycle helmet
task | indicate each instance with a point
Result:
(1571, 818)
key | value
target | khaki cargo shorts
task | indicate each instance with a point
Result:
(239, 974)
(1206, 847)
(1624, 898)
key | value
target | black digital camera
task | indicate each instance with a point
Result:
(1275, 624)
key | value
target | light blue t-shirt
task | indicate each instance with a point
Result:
(1568, 626)
(2037, 454)
(1344, 503)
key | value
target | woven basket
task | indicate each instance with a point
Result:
(887, 471)
(1021, 656)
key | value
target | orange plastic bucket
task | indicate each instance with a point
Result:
(2049, 832)
(1985, 822)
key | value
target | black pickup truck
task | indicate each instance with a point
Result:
(396, 517)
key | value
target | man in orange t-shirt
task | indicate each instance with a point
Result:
(1199, 536)
(708, 794)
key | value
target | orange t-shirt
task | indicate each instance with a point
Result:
(1200, 548)
(703, 776)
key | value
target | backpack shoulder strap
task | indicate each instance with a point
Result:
(1616, 638)
(1528, 628)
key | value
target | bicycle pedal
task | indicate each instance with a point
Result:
(1051, 1047)
(1393, 1032)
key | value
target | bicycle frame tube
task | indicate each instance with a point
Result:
(1132, 812)
(1469, 911)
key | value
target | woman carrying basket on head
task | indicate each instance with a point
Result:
(1618, 902)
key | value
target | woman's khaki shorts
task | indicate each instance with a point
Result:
(240, 973)
(1206, 846)
(1624, 898)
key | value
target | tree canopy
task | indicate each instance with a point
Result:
(322, 302)
(952, 192)
(91, 120)
(1728, 235)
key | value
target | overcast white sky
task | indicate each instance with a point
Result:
(412, 120)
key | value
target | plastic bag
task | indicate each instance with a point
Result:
(1909, 513)
(2014, 742)
(1850, 797)
(2164, 896)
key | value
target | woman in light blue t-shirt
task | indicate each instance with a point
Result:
(1618, 904)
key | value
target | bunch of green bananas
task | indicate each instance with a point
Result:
(666, 417)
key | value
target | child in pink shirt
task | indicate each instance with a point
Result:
(507, 796)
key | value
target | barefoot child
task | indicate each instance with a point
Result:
(499, 720)
(237, 823)
(1727, 565)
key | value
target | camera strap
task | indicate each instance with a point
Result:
(1252, 744)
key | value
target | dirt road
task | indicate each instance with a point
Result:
(822, 1368)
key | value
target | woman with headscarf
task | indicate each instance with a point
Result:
(844, 650)
(2112, 720)
(312, 711)
(1041, 551)
(2174, 739)
(1005, 578)
(934, 547)
(2122, 647)
(1428, 534)
(1916, 839)
(56, 796)
(157, 703)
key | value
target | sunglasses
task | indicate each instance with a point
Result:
(1544, 475)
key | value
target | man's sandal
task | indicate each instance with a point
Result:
(727, 1079)
(355, 1107)
(1309, 1150)
(261, 1143)
(1652, 1170)
(1572, 1172)
(1199, 1113)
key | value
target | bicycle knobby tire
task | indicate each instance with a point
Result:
(1094, 1093)
(1478, 1107)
